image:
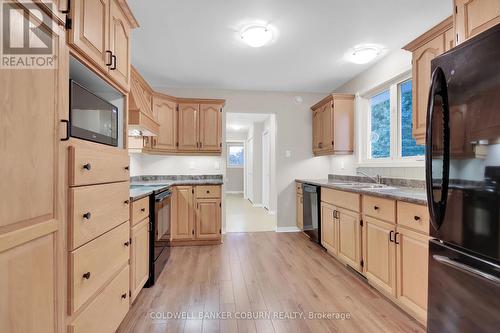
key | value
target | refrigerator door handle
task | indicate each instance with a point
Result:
(465, 268)
(438, 88)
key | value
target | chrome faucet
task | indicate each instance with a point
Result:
(377, 179)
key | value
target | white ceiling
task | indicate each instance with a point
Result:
(243, 120)
(195, 43)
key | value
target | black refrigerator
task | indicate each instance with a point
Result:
(463, 187)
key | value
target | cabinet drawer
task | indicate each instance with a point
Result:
(413, 216)
(89, 166)
(96, 209)
(342, 199)
(107, 310)
(298, 188)
(207, 191)
(93, 264)
(139, 210)
(383, 209)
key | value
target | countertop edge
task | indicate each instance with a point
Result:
(167, 184)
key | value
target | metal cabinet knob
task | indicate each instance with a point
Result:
(416, 218)
(375, 207)
(87, 215)
(127, 168)
(124, 296)
(126, 243)
(143, 210)
(126, 202)
(208, 192)
(87, 166)
(86, 275)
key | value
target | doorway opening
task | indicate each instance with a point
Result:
(250, 198)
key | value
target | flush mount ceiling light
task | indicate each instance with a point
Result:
(256, 35)
(363, 54)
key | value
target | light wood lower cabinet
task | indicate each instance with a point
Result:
(196, 215)
(299, 211)
(349, 231)
(475, 16)
(412, 251)
(107, 310)
(379, 254)
(329, 229)
(139, 257)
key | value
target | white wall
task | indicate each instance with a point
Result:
(391, 66)
(255, 133)
(293, 132)
(144, 164)
(234, 180)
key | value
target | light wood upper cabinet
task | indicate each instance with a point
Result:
(333, 125)
(412, 252)
(329, 230)
(189, 126)
(139, 257)
(210, 127)
(165, 110)
(349, 249)
(32, 191)
(208, 218)
(119, 45)
(379, 254)
(425, 48)
(475, 16)
(100, 33)
(182, 222)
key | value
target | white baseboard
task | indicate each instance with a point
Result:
(258, 205)
(234, 192)
(287, 229)
(271, 212)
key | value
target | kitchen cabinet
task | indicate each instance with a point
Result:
(141, 118)
(139, 257)
(329, 236)
(189, 127)
(412, 251)
(349, 233)
(196, 215)
(333, 125)
(200, 128)
(472, 17)
(299, 206)
(210, 127)
(165, 111)
(379, 254)
(32, 189)
(100, 33)
(425, 48)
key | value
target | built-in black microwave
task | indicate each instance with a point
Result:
(91, 117)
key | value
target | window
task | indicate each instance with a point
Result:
(389, 125)
(235, 155)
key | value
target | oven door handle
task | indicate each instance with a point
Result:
(465, 268)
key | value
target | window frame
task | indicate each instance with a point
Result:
(235, 143)
(363, 104)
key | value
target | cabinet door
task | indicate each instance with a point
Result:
(327, 127)
(90, 30)
(317, 134)
(343, 126)
(166, 111)
(475, 16)
(349, 249)
(188, 126)
(210, 127)
(182, 227)
(208, 219)
(139, 257)
(412, 268)
(329, 237)
(32, 192)
(421, 83)
(449, 40)
(379, 254)
(300, 212)
(119, 45)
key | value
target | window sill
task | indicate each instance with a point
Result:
(234, 167)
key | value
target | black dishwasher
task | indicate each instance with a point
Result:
(312, 212)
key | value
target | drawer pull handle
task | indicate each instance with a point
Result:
(87, 166)
(86, 275)
(127, 168)
(416, 218)
(375, 207)
(126, 202)
(390, 236)
(87, 215)
(127, 243)
(143, 210)
(124, 296)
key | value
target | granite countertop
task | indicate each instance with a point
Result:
(407, 194)
(144, 186)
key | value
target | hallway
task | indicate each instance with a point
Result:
(241, 216)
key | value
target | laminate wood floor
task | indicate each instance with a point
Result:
(269, 275)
